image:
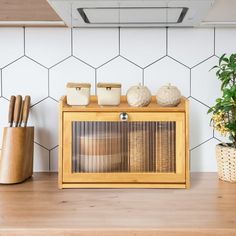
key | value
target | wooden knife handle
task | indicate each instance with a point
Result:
(17, 110)
(11, 110)
(26, 109)
(21, 113)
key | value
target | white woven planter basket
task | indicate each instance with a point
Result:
(226, 162)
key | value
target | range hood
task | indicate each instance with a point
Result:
(132, 13)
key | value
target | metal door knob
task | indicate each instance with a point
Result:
(124, 116)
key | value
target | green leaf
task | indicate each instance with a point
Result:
(221, 58)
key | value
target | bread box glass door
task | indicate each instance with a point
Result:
(134, 147)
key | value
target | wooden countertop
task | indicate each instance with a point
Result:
(37, 207)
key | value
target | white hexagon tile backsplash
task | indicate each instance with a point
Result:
(225, 41)
(190, 46)
(122, 71)
(164, 71)
(133, 48)
(48, 46)
(70, 70)
(96, 46)
(25, 77)
(11, 45)
(40, 61)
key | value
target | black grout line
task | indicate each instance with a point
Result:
(119, 40)
(49, 160)
(71, 41)
(48, 83)
(54, 99)
(54, 148)
(214, 42)
(154, 62)
(199, 101)
(143, 82)
(107, 62)
(202, 61)
(24, 39)
(1, 83)
(167, 40)
(6, 98)
(36, 62)
(39, 101)
(59, 62)
(12, 62)
(95, 82)
(201, 144)
(190, 82)
(131, 62)
(218, 139)
(178, 62)
(41, 146)
(83, 62)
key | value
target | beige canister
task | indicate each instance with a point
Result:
(108, 94)
(78, 94)
(100, 153)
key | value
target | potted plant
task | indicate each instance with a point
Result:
(224, 117)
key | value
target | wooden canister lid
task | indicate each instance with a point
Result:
(78, 85)
(108, 85)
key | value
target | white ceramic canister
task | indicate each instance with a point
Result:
(78, 94)
(108, 94)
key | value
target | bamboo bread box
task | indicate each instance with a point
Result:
(123, 146)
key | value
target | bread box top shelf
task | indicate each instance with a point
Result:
(124, 106)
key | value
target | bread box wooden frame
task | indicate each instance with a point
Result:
(153, 112)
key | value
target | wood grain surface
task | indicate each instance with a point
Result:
(27, 10)
(37, 207)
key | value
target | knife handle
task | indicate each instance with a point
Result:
(26, 109)
(11, 110)
(21, 113)
(17, 110)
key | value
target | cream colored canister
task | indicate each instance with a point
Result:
(108, 94)
(78, 94)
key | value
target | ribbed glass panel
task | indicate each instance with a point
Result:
(100, 147)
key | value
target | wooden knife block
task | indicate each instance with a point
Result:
(16, 160)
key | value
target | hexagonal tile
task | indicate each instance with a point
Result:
(225, 41)
(0, 82)
(190, 46)
(11, 45)
(25, 77)
(167, 71)
(203, 157)
(205, 85)
(199, 123)
(143, 46)
(48, 45)
(54, 160)
(41, 159)
(120, 70)
(4, 117)
(70, 70)
(96, 46)
(223, 139)
(44, 116)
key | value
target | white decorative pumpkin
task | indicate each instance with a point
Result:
(139, 96)
(168, 96)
